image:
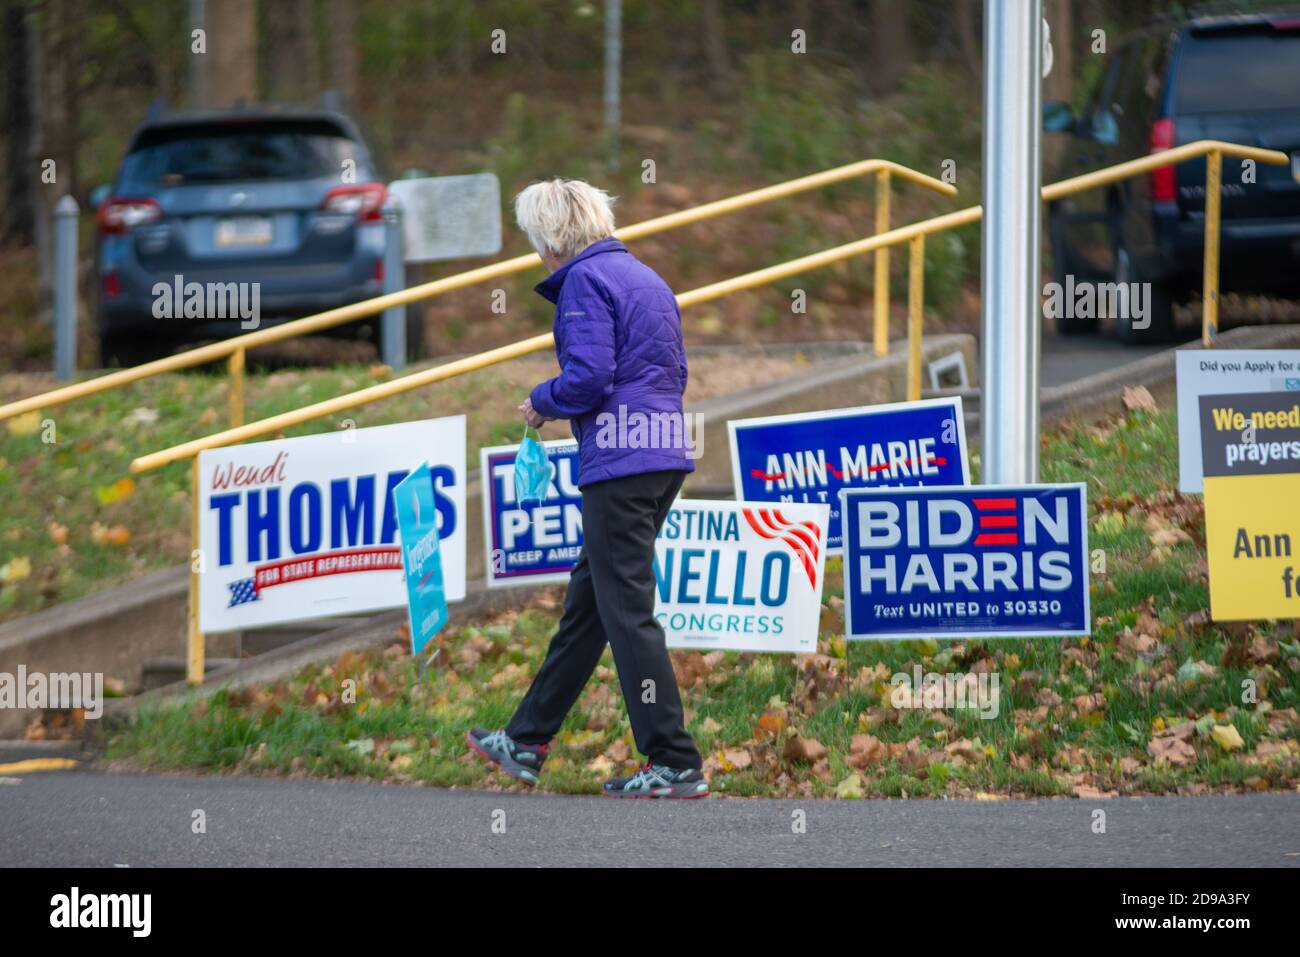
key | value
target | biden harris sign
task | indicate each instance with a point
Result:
(966, 562)
(528, 543)
(307, 527)
(740, 576)
(812, 456)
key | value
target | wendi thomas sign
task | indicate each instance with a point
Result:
(306, 527)
(530, 542)
(991, 560)
(745, 577)
(811, 456)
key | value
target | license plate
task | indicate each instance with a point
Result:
(244, 231)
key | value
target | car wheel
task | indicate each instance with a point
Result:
(1063, 266)
(1158, 324)
(123, 350)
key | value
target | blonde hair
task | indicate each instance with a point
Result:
(564, 216)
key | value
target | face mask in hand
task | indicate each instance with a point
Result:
(533, 471)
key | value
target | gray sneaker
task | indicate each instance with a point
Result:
(523, 762)
(657, 781)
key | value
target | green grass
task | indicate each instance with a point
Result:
(1046, 740)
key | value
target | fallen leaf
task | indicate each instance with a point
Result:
(1140, 398)
(1175, 749)
(16, 569)
(1227, 737)
(800, 750)
(850, 788)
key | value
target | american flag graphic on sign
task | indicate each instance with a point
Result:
(800, 537)
(242, 592)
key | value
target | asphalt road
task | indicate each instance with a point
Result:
(80, 818)
(1066, 358)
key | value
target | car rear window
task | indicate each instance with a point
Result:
(175, 156)
(1239, 71)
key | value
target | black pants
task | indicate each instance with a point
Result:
(611, 598)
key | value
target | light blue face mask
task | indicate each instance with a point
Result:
(533, 470)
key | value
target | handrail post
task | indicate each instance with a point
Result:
(915, 310)
(65, 288)
(881, 309)
(194, 645)
(237, 388)
(392, 351)
(1210, 292)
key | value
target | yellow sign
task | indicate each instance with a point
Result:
(1252, 542)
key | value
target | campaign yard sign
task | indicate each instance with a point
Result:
(417, 527)
(746, 577)
(966, 562)
(1219, 372)
(307, 527)
(532, 542)
(812, 456)
(1250, 448)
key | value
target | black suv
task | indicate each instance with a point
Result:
(1235, 79)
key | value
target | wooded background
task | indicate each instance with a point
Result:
(712, 92)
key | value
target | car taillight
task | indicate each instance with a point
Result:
(364, 200)
(1164, 187)
(112, 286)
(121, 214)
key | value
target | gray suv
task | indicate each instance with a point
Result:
(219, 223)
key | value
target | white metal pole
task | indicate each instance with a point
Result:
(1012, 226)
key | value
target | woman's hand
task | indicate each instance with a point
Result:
(531, 415)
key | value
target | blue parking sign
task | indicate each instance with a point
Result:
(417, 527)
(983, 561)
(529, 543)
(812, 456)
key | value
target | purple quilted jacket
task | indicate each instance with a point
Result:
(618, 339)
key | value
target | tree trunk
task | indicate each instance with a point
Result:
(292, 70)
(714, 38)
(889, 47)
(343, 50)
(970, 28)
(19, 204)
(231, 59)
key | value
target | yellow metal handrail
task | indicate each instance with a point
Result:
(913, 234)
(235, 349)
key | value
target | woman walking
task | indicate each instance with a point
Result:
(618, 339)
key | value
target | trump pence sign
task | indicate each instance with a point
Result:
(746, 577)
(966, 562)
(307, 527)
(529, 543)
(811, 456)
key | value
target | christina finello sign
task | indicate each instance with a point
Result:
(741, 576)
(307, 527)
